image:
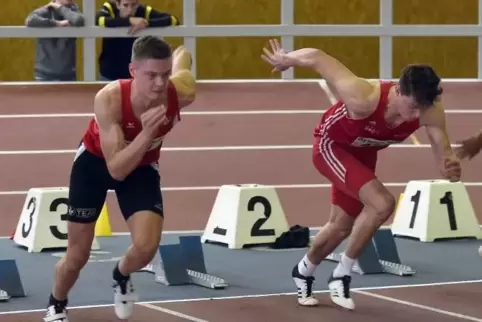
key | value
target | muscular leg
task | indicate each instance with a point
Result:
(361, 196)
(68, 268)
(87, 192)
(145, 228)
(330, 236)
(379, 206)
(140, 200)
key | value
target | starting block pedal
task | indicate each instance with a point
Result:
(42, 224)
(245, 215)
(182, 264)
(10, 281)
(379, 256)
(431, 210)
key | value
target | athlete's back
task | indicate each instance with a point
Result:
(370, 132)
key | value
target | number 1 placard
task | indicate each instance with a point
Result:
(436, 209)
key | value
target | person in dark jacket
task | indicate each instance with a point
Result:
(116, 52)
(55, 58)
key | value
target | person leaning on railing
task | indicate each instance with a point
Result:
(116, 52)
(55, 57)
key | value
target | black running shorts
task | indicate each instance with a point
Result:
(90, 180)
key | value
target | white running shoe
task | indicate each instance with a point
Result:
(340, 291)
(56, 314)
(304, 285)
(124, 298)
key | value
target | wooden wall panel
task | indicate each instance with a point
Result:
(239, 57)
(234, 57)
(450, 56)
(359, 53)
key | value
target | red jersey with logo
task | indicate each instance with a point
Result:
(371, 132)
(132, 126)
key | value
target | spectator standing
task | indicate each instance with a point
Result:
(55, 58)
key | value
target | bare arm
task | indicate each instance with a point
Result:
(121, 159)
(182, 78)
(435, 126)
(357, 93)
(351, 89)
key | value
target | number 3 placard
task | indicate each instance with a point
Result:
(42, 223)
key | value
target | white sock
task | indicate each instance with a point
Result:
(344, 266)
(305, 267)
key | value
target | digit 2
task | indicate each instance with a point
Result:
(256, 230)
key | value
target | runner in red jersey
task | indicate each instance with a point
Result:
(368, 117)
(120, 152)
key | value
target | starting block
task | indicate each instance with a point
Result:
(10, 281)
(379, 256)
(435, 209)
(42, 222)
(182, 264)
(245, 215)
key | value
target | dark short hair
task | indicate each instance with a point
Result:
(421, 82)
(150, 47)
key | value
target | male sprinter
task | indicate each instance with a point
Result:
(120, 151)
(369, 116)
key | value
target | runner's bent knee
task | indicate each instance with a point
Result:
(146, 244)
(340, 221)
(79, 244)
(375, 196)
(146, 228)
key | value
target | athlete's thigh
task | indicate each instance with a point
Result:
(140, 191)
(89, 180)
(346, 173)
(141, 204)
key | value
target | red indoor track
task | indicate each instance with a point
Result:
(37, 151)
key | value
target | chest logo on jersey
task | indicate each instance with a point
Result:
(130, 125)
(369, 142)
(370, 129)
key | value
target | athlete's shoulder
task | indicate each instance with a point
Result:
(108, 100)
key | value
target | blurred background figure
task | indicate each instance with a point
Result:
(55, 58)
(116, 52)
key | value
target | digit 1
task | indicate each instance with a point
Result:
(447, 200)
(415, 199)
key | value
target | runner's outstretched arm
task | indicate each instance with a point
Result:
(350, 88)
